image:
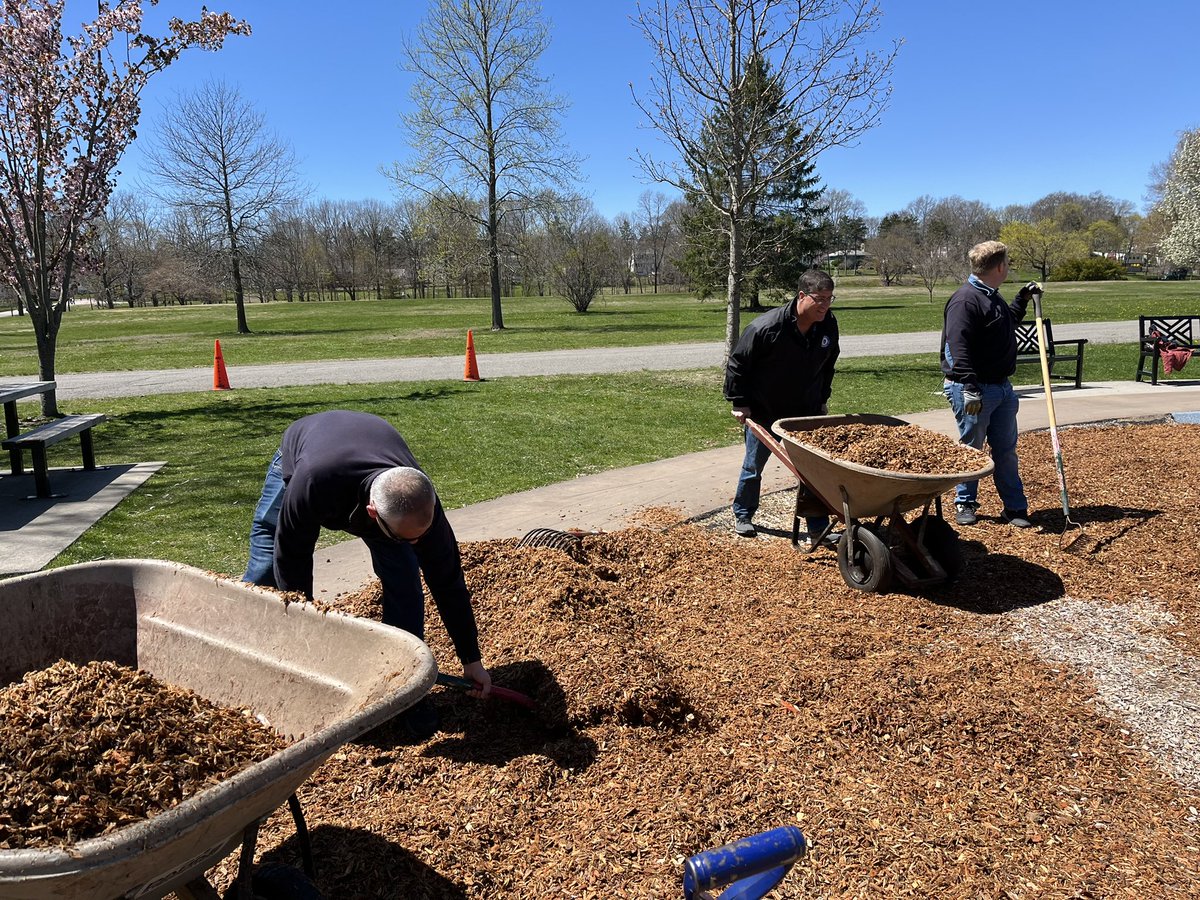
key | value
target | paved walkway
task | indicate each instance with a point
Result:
(502, 365)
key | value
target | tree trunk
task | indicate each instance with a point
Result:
(493, 230)
(733, 306)
(239, 297)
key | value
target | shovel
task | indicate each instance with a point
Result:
(1064, 542)
(500, 693)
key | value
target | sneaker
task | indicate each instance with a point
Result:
(744, 528)
(964, 513)
(1017, 518)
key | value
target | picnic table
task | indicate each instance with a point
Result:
(10, 393)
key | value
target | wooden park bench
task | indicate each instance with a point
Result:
(38, 439)
(1157, 332)
(1068, 354)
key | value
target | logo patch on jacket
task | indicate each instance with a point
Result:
(825, 341)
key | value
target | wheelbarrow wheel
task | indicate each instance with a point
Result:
(276, 881)
(864, 559)
(941, 540)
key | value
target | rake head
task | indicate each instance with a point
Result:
(567, 541)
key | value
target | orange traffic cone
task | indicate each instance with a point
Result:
(220, 376)
(470, 368)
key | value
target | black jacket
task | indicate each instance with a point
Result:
(329, 461)
(778, 372)
(979, 340)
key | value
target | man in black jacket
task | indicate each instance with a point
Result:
(781, 367)
(978, 355)
(353, 472)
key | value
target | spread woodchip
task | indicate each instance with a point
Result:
(1029, 731)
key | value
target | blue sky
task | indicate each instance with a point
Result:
(1001, 103)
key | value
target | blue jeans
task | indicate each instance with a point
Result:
(260, 569)
(997, 423)
(395, 563)
(749, 486)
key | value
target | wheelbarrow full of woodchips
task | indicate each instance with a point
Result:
(318, 678)
(879, 545)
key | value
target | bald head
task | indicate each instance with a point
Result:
(404, 498)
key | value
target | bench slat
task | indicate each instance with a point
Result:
(36, 440)
(53, 432)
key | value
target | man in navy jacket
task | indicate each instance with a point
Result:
(978, 355)
(353, 472)
(781, 367)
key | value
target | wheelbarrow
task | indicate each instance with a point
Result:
(878, 544)
(319, 678)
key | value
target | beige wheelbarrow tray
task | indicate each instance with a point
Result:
(878, 544)
(319, 678)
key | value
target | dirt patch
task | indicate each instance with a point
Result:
(694, 688)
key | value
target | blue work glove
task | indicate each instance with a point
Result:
(972, 402)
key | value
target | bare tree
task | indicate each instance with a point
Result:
(933, 257)
(123, 250)
(843, 222)
(583, 251)
(749, 92)
(214, 157)
(655, 229)
(893, 247)
(484, 125)
(377, 226)
(626, 242)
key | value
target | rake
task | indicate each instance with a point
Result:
(1066, 541)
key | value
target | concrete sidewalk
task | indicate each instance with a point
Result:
(34, 530)
(698, 483)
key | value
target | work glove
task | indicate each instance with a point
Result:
(1026, 293)
(972, 402)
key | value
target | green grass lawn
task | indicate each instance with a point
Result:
(477, 440)
(98, 340)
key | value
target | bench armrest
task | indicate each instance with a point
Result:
(1078, 342)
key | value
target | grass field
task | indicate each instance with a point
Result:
(477, 440)
(97, 340)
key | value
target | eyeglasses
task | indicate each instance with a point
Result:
(828, 299)
(391, 535)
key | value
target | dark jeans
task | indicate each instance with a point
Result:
(749, 486)
(394, 562)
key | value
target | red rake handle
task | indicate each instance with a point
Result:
(500, 693)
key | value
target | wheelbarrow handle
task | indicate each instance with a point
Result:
(750, 867)
(500, 693)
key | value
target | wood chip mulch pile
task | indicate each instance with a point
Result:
(86, 749)
(693, 689)
(895, 448)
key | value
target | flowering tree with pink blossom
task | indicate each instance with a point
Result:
(69, 107)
